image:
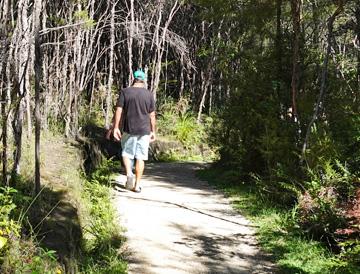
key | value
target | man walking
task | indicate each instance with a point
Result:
(135, 111)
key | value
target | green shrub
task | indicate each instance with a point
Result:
(9, 228)
(349, 259)
(344, 127)
(20, 254)
(187, 130)
(102, 235)
(320, 210)
(168, 114)
(277, 229)
(177, 122)
(321, 148)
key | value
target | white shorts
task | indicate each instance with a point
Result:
(135, 146)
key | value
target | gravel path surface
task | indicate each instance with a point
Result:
(179, 224)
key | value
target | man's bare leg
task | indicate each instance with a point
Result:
(127, 164)
(139, 170)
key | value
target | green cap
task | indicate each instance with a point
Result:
(139, 74)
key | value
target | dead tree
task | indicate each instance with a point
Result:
(21, 38)
(38, 90)
(160, 45)
(111, 67)
(130, 40)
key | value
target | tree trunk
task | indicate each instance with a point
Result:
(111, 68)
(79, 75)
(64, 78)
(4, 54)
(57, 80)
(38, 75)
(357, 16)
(22, 29)
(278, 47)
(316, 22)
(318, 105)
(166, 69)
(156, 44)
(206, 81)
(130, 41)
(182, 79)
(4, 137)
(161, 48)
(17, 131)
(48, 94)
(296, 19)
(70, 102)
(142, 44)
(211, 99)
(28, 109)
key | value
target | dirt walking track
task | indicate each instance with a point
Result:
(180, 225)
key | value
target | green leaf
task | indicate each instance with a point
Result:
(3, 242)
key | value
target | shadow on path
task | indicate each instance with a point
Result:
(188, 221)
(210, 248)
(117, 186)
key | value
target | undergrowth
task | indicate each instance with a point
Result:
(177, 122)
(21, 253)
(102, 235)
(278, 231)
(96, 250)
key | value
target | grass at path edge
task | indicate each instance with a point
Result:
(98, 248)
(276, 231)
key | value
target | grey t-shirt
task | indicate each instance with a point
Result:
(137, 104)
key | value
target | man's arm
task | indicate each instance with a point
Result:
(117, 118)
(153, 126)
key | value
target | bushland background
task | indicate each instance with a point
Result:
(268, 90)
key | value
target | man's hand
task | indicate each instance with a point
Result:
(117, 134)
(152, 137)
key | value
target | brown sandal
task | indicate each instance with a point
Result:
(136, 190)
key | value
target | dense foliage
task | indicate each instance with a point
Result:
(279, 79)
(298, 140)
